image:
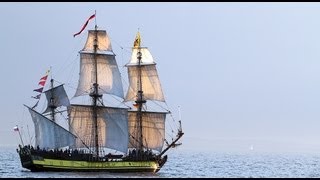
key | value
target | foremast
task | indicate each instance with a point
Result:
(52, 106)
(48, 133)
(56, 97)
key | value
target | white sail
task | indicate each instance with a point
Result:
(59, 95)
(153, 130)
(103, 41)
(109, 78)
(112, 126)
(48, 134)
(151, 86)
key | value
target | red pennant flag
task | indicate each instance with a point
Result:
(44, 78)
(84, 26)
(42, 83)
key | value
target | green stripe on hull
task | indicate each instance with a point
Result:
(69, 165)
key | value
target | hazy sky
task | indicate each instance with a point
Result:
(243, 73)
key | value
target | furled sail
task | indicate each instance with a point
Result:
(112, 126)
(59, 97)
(109, 78)
(153, 130)
(103, 41)
(151, 86)
(49, 134)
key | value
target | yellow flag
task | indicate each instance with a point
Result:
(137, 41)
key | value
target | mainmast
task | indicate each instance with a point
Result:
(99, 74)
(95, 95)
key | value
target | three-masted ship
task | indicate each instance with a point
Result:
(135, 136)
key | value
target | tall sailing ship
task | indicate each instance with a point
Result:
(98, 136)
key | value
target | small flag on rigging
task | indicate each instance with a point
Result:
(16, 128)
(39, 90)
(42, 82)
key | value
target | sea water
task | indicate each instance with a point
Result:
(184, 164)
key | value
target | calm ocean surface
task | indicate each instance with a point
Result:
(190, 164)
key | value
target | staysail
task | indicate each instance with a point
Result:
(112, 126)
(49, 134)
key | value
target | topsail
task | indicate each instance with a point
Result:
(151, 85)
(56, 97)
